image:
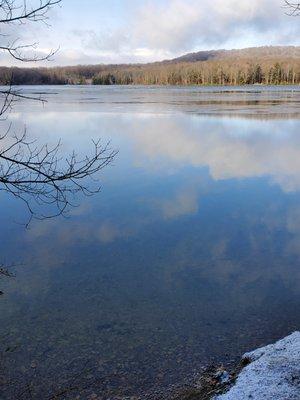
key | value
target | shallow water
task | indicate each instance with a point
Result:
(189, 255)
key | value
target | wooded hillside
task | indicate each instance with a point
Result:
(264, 65)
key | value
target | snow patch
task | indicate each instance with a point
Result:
(274, 373)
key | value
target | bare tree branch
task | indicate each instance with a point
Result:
(14, 12)
(293, 9)
(17, 52)
(4, 271)
(39, 174)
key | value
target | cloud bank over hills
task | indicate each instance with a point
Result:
(143, 31)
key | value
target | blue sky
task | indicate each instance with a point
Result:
(115, 31)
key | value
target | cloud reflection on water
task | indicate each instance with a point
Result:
(192, 244)
(230, 149)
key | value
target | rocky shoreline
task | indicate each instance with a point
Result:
(267, 373)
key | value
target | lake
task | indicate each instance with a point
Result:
(189, 255)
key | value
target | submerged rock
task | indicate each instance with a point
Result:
(273, 372)
(223, 376)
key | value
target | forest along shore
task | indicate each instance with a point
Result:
(268, 65)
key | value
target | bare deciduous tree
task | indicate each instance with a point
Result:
(35, 173)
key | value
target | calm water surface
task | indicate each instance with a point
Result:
(190, 254)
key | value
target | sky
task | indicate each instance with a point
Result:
(130, 31)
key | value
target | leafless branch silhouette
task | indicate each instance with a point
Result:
(17, 12)
(292, 8)
(41, 174)
(4, 271)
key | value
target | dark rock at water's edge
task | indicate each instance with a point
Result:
(267, 373)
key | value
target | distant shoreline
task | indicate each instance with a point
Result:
(274, 65)
(156, 85)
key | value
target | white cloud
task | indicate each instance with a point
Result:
(183, 25)
(156, 30)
